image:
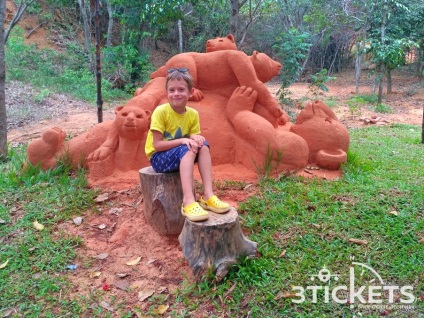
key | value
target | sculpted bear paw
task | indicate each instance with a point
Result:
(43, 151)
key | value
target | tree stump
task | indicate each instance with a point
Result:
(215, 244)
(162, 197)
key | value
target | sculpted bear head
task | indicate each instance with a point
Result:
(132, 122)
(219, 44)
(266, 68)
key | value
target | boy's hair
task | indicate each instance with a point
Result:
(180, 74)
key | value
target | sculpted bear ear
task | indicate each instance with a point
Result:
(118, 109)
(148, 113)
(231, 37)
(255, 54)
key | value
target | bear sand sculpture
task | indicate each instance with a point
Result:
(239, 117)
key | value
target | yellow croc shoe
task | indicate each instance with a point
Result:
(215, 205)
(193, 212)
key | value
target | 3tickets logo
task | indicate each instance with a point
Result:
(365, 288)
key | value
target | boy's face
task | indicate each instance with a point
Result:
(178, 94)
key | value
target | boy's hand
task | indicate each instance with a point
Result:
(200, 140)
(191, 144)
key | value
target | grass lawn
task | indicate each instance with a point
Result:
(303, 227)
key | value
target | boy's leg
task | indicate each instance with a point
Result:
(186, 175)
(205, 169)
(211, 202)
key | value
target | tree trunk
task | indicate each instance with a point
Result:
(358, 66)
(215, 244)
(110, 24)
(389, 81)
(380, 83)
(162, 199)
(180, 36)
(234, 17)
(98, 64)
(3, 115)
(87, 32)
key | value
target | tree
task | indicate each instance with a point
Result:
(23, 5)
(3, 115)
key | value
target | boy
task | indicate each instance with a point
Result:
(174, 143)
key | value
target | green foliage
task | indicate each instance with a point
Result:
(318, 82)
(390, 53)
(54, 71)
(291, 48)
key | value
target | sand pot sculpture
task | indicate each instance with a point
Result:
(238, 116)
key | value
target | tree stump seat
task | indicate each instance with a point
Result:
(162, 198)
(215, 245)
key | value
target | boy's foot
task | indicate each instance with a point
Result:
(193, 212)
(215, 205)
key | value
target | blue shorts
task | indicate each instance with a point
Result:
(169, 160)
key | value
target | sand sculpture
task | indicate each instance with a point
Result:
(238, 116)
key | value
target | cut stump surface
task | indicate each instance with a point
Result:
(215, 244)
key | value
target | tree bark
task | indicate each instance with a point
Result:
(215, 244)
(180, 36)
(358, 62)
(3, 114)
(110, 24)
(389, 81)
(87, 32)
(98, 64)
(162, 199)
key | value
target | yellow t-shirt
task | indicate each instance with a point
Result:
(172, 125)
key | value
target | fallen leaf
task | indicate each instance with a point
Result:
(134, 261)
(122, 275)
(106, 306)
(150, 261)
(101, 256)
(282, 254)
(102, 197)
(285, 295)
(317, 226)
(4, 264)
(161, 289)
(7, 313)
(422, 240)
(102, 226)
(95, 274)
(144, 294)
(161, 309)
(2, 221)
(230, 290)
(38, 226)
(115, 211)
(77, 220)
(394, 213)
(122, 284)
(359, 242)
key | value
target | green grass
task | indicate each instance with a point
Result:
(34, 283)
(310, 219)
